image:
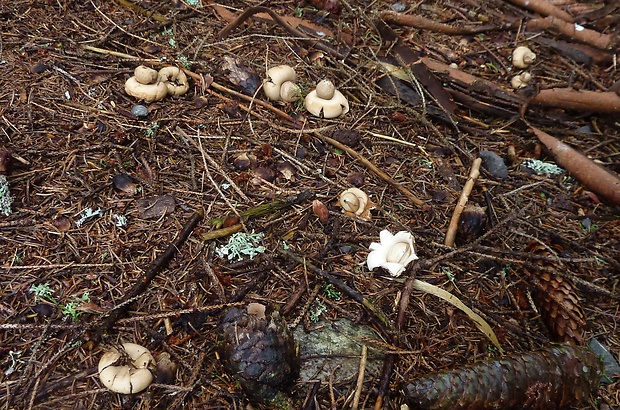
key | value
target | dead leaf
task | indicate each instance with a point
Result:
(156, 207)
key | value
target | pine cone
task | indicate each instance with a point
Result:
(259, 351)
(556, 300)
(550, 379)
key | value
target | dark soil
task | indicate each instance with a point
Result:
(66, 122)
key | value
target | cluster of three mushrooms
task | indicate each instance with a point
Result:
(325, 101)
(149, 85)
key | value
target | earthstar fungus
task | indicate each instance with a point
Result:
(326, 101)
(394, 252)
(280, 84)
(523, 57)
(126, 376)
(355, 202)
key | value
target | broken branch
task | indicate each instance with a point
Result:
(460, 206)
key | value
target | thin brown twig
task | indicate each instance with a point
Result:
(157, 266)
(360, 379)
(416, 201)
(544, 8)
(460, 206)
(417, 21)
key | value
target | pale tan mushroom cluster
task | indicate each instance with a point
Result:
(128, 370)
(325, 101)
(522, 58)
(356, 203)
(149, 85)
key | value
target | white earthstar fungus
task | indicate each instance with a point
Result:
(280, 84)
(394, 252)
(326, 101)
(175, 80)
(126, 378)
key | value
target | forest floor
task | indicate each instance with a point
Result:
(99, 194)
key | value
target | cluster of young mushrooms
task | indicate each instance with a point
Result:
(522, 58)
(324, 101)
(150, 85)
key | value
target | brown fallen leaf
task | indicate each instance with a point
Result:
(156, 207)
(596, 178)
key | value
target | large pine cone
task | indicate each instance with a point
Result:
(258, 350)
(550, 379)
(556, 300)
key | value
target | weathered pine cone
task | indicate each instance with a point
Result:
(554, 378)
(257, 349)
(556, 300)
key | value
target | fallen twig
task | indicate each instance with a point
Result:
(544, 8)
(593, 176)
(343, 287)
(249, 12)
(157, 266)
(269, 208)
(417, 21)
(460, 206)
(582, 100)
(574, 31)
(417, 201)
(360, 379)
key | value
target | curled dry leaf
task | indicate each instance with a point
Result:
(125, 184)
(156, 207)
(320, 210)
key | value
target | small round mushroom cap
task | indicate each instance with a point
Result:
(523, 57)
(175, 80)
(146, 92)
(276, 76)
(325, 89)
(129, 378)
(145, 75)
(290, 92)
(331, 108)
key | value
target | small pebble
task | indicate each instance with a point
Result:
(494, 164)
(140, 111)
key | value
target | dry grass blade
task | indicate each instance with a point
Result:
(453, 300)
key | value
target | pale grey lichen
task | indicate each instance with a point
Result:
(5, 196)
(87, 214)
(539, 167)
(241, 244)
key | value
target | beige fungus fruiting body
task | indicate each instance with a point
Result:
(175, 80)
(523, 57)
(147, 92)
(280, 84)
(326, 101)
(393, 253)
(126, 378)
(355, 202)
(149, 85)
(521, 80)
